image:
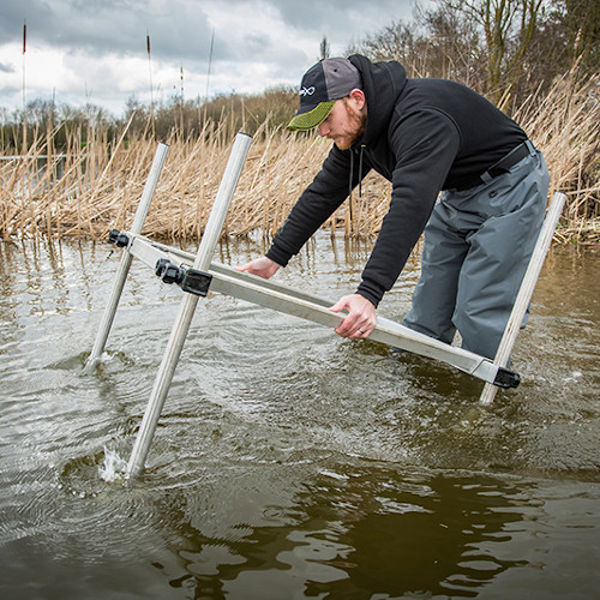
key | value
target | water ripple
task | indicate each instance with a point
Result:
(285, 457)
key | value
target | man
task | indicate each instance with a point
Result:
(425, 136)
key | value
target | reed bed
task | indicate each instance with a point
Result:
(565, 125)
(86, 190)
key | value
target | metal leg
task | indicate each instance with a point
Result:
(525, 291)
(138, 223)
(188, 305)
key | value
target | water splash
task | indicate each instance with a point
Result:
(113, 466)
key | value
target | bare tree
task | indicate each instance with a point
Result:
(581, 21)
(438, 43)
(508, 27)
(505, 49)
(452, 44)
(324, 48)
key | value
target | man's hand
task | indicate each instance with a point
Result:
(263, 267)
(361, 319)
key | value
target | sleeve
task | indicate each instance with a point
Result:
(425, 144)
(317, 203)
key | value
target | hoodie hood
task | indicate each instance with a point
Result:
(389, 79)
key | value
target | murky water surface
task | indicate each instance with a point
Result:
(289, 463)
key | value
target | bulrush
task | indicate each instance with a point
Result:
(86, 189)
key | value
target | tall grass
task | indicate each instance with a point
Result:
(94, 186)
(565, 124)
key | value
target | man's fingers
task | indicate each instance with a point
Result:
(263, 267)
(347, 327)
(339, 305)
(361, 317)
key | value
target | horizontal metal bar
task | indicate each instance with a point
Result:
(269, 294)
(387, 331)
(156, 250)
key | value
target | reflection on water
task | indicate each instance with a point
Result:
(289, 463)
(359, 533)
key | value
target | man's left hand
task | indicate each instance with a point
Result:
(361, 319)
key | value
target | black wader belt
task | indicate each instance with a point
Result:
(504, 165)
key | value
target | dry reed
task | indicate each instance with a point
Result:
(87, 190)
(566, 126)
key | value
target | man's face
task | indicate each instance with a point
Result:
(344, 124)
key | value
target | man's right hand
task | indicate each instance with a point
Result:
(263, 267)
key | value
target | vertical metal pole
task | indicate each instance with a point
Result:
(525, 291)
(188, 305)
(126, 258)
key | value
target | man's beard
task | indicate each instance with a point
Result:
(356, 128)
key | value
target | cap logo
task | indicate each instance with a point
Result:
(307, 91)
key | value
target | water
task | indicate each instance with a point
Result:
(289, 463)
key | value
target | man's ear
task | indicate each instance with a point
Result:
(358, 98)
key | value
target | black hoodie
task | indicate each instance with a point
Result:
(423, 135)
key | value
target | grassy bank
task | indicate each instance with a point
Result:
(88, 188)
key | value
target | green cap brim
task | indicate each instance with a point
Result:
(312, 118)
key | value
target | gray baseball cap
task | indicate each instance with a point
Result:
(324, 83)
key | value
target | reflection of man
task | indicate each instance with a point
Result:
(423, 135)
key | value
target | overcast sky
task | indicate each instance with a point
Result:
(95, 50)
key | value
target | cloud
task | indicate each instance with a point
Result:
(99, 26)
(338, 14)
(95, 50)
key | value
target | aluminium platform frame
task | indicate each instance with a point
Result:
(196, 274)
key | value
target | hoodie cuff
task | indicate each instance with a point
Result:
(371, 291)
(281, 257)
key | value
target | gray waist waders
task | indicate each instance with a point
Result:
(477, 246)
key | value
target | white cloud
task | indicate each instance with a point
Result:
(95, 50)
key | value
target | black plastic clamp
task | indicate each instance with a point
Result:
(189, 280)
(506, 378)
(195, 282)
(119, 239)
(167, 271)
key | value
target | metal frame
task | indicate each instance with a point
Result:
(525, 291)
(269, 294)
(266, 293)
